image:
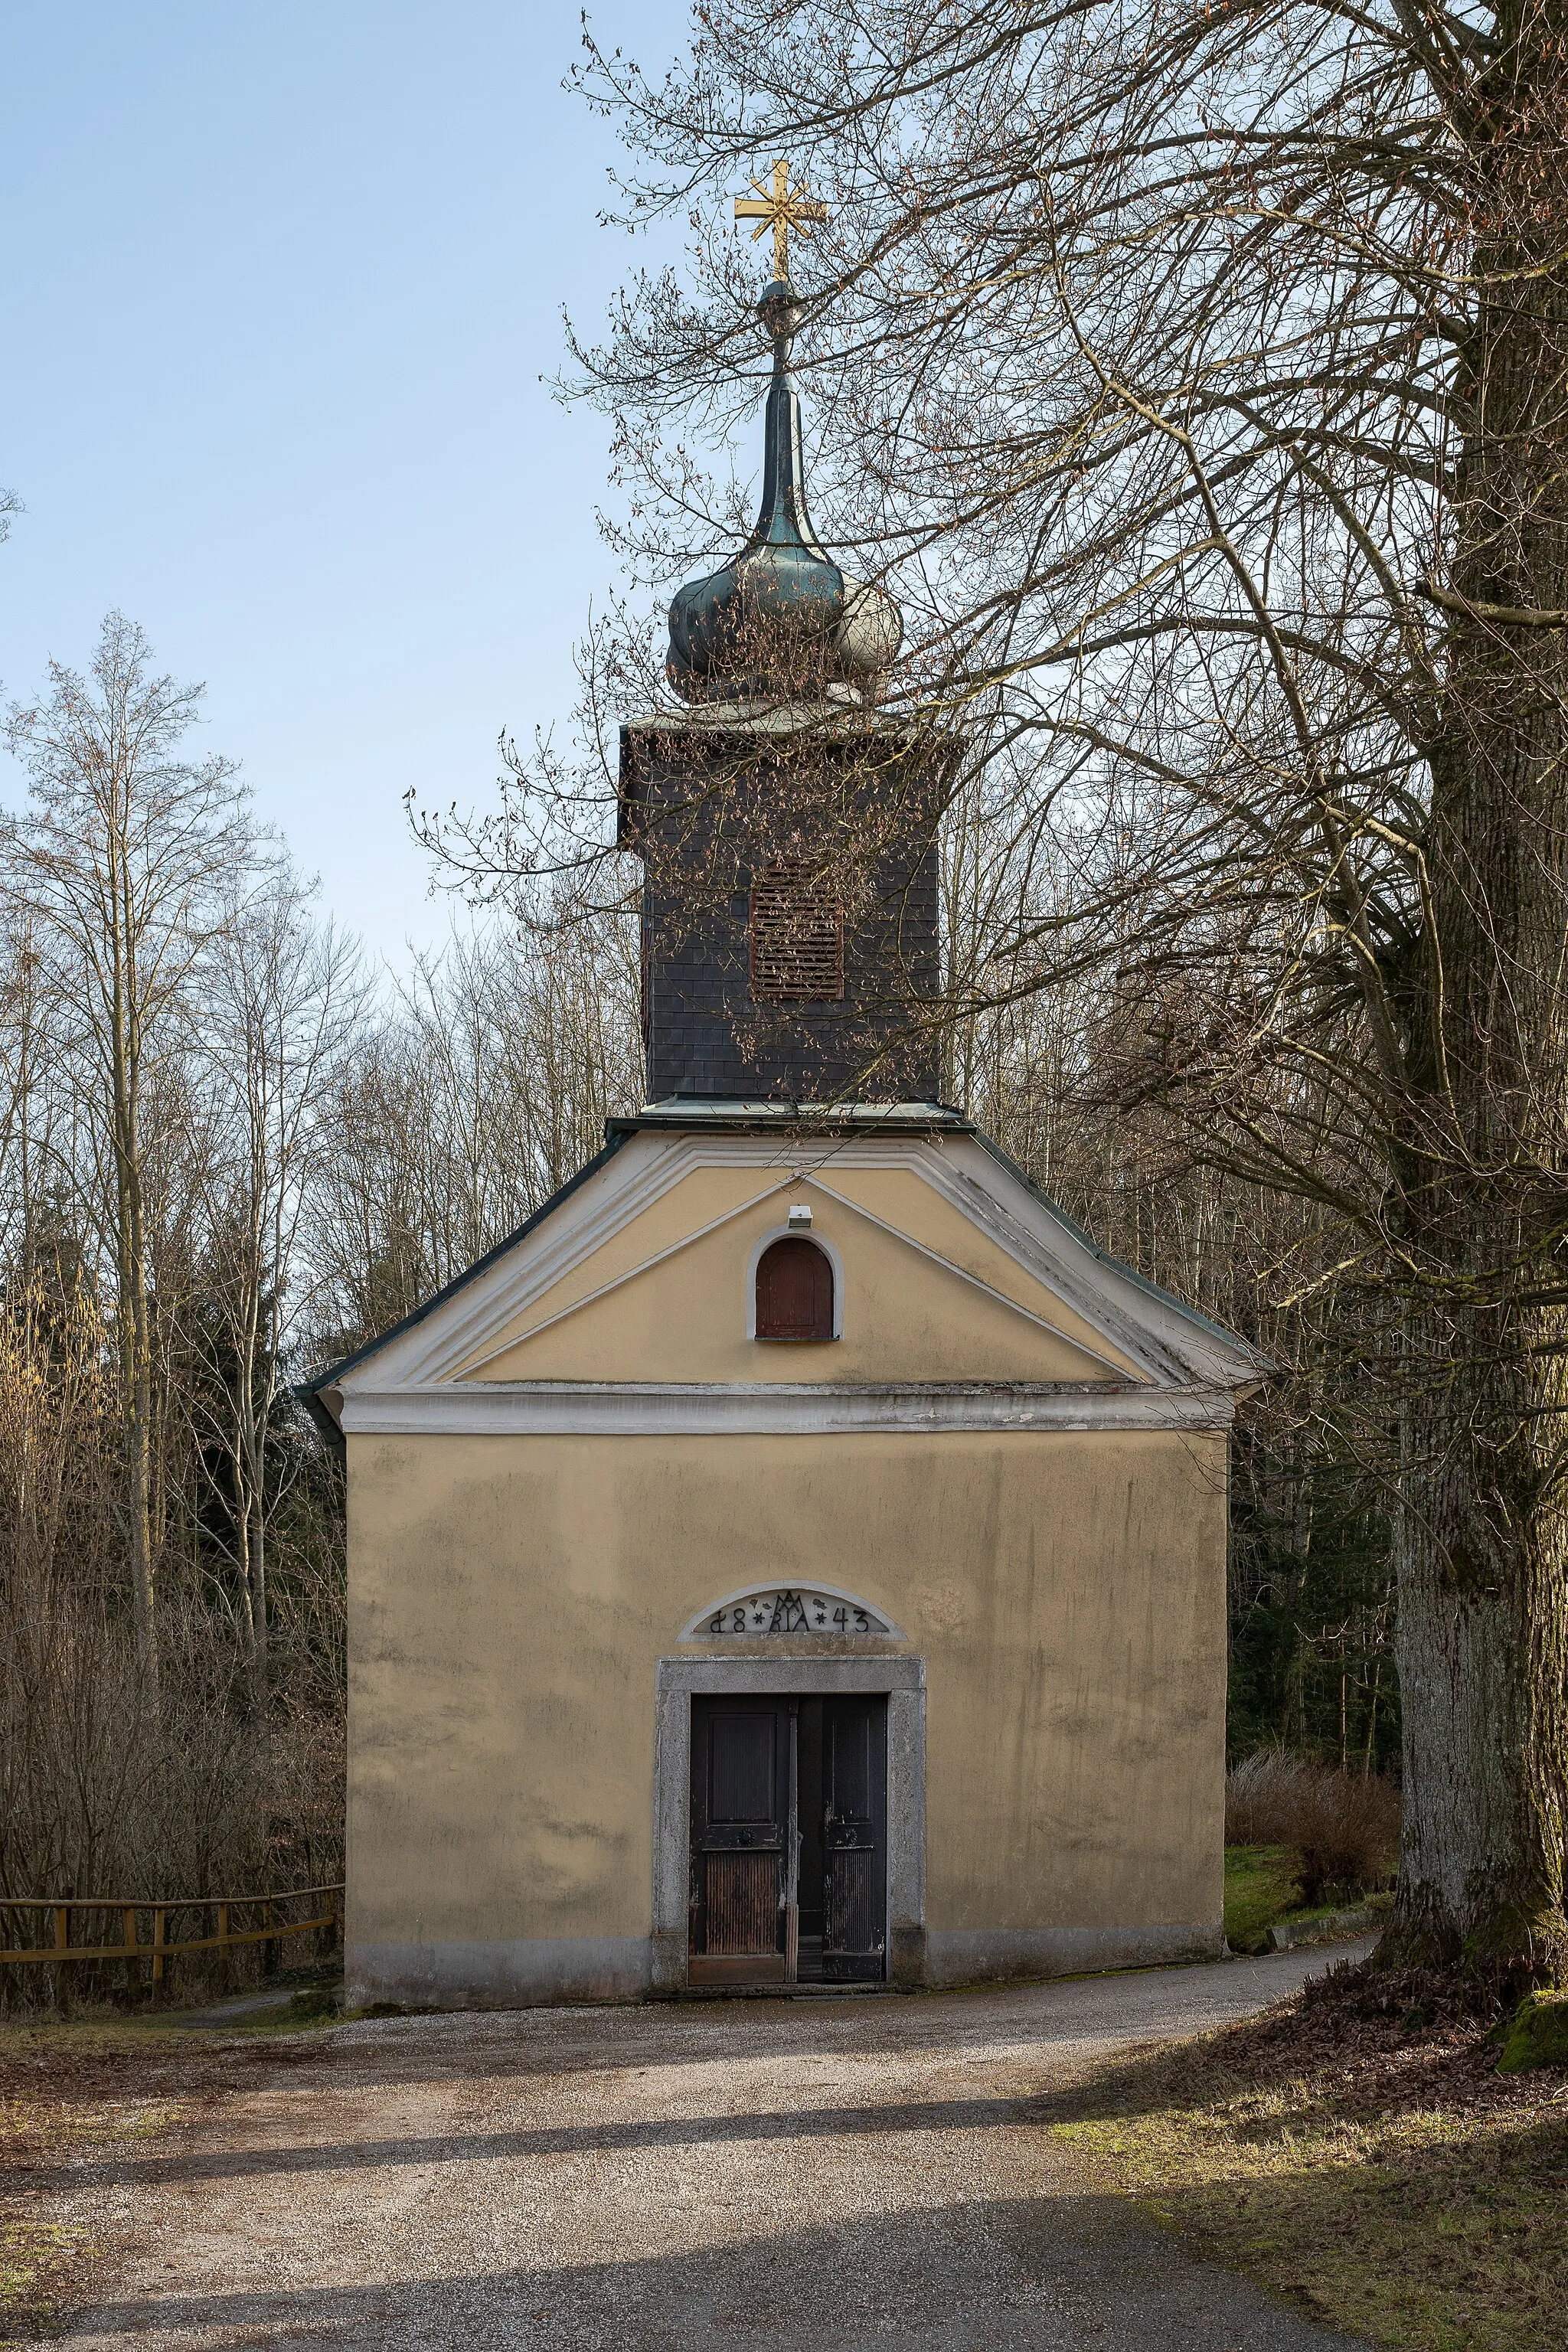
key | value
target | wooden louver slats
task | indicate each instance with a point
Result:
(796, 937)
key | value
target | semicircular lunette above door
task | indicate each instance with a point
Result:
(801, 1612)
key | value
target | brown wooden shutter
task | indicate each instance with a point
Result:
(794, 1291)
(796, 937)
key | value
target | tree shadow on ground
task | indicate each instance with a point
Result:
(1056, 2275)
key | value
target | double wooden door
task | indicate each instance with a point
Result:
(789, 1843)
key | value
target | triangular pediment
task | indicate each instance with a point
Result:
(949, 1270)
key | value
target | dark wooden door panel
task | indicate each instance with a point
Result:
(854, 1760)
(854, 1839)
(742, 1771)
(742, 1904)
(740, 1810)
(852, 1908)
(789, 1839)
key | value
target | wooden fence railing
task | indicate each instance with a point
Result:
(129, 1910)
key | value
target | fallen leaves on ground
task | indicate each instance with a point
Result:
(1365, 2161)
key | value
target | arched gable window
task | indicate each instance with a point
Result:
(794, 1291)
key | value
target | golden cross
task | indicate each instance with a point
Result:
(784, 208)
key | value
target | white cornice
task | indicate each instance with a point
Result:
(680, 1409)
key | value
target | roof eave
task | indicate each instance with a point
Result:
(317, 1383)
(1258, 1369)
(699, 1113)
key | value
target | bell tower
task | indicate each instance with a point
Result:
(787, 826)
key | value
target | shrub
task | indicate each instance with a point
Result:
(1342, 1830)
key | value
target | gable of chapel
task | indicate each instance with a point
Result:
(948, 1270)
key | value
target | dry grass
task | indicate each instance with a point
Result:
(1343, 1829)
(114, 1783)
(1368, 2164)
(66, 2091)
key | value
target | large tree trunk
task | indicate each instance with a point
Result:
(1483, 1651)
(1483, 1638)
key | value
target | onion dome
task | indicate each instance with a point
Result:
(734, 633)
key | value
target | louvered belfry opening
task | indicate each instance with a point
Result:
(794, 1291)
(796, 935)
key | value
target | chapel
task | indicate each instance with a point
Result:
(796, 1557)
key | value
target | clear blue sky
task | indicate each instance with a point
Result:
(278, 285)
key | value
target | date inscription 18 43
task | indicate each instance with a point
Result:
(789, 1609)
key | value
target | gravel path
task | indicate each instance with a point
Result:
(829, 2173)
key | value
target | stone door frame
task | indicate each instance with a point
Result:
(679, 1680)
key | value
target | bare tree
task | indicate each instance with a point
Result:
(280, 1001)
(169, 1014)
(485, 1086)
(127, 857)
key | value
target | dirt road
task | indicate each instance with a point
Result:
(831, 2173)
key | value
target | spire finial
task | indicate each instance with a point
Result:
(783, 208)
(743, 631)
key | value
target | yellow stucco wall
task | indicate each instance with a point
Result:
(509, 1596)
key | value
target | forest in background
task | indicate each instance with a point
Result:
(229, 1152)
